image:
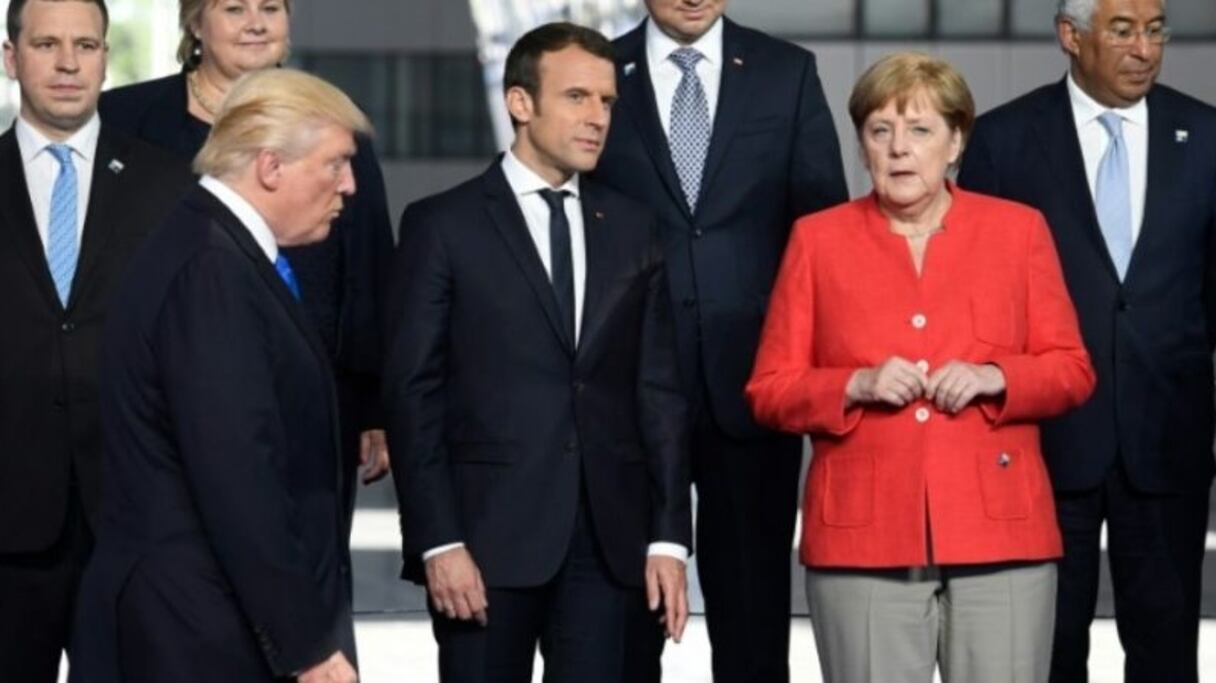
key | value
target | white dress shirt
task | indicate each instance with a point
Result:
(42, 168)
(1094, 141)
(665, 75)
(526, 185)
(244, 211)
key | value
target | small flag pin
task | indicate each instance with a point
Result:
(115, 166)
(738, 61)
(630, 68)
(1181, 135)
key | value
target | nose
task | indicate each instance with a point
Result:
(1140, 45)
(346, 186)
(66, 59)
(599, 114)
(899, 141)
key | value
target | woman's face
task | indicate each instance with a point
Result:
(240, 36)
(908, 154)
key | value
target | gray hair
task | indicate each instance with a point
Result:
(1080, 13)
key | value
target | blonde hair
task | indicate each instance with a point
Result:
(189, 14)
(901, 76)
(274, 109)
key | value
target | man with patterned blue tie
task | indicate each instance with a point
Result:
(1125, 172)
(221, 553)
(76, 198)
(725, 132)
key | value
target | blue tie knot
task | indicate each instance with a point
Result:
(1113, 123)
(61, 152)
(686, 59)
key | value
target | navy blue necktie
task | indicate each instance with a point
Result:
(561, 264)
(283, 266)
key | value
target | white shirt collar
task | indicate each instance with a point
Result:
(83, 142)
(659, 45)
(245, 212)
(1086, 109)
(524, 180)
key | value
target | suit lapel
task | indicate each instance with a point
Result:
(637, 99)
(1057, 131)
(99, 223)
(598, 242)
(509, 221)
(18, 217)
(1164, 160)
(734, 94)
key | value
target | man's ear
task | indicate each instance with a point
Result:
(520, 105)
(1069, 37)
(269, 169)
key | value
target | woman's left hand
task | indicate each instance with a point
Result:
(956, 383)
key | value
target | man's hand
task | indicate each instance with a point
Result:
(956, 383)
(454, 584)
(373, 455)
(333, 670)
(667, 586)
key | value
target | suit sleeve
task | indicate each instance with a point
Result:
(1053, 373)
(414, 377)
(788, 390)
(220, 388)
(977, 170)
(663, 412)
(816, 172)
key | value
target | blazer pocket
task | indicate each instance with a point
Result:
(848, 496)
(1004, 483)
(992, 321)
(487, 453)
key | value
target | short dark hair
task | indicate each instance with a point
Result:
(523, 62)
(16, 6)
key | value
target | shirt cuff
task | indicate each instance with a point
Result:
(668, 550)
(439, 550)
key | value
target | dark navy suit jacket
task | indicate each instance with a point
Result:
(1150, 336)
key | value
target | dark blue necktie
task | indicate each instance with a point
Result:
(561, 265)
(283, 266)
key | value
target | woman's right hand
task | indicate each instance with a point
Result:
(896, 382)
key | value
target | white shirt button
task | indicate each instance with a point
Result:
(919, 321)
(922, 365)
(922, 415)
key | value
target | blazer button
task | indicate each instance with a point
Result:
(578, 387)
(1122, 306)
(922, 415)
(68, 327)
(919, 321)
(58, 403)
(689, 302)
(571, 446)
(698, 233)
(1004, 460)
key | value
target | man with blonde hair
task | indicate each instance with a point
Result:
(221, 554)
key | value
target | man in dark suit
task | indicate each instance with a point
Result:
(221, 553)
(1125, 172)
(75, 199)
(725, 132)
(535, 422)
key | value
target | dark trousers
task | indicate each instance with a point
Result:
(1155, 547)
(747, 499)
(37, 601)
(591, 629)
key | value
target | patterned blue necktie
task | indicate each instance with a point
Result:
(1112, 198)
(62, 247)
(282, 265)
(690, 128)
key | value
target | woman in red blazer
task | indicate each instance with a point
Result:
(917, 335)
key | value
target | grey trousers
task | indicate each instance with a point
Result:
(980, 624)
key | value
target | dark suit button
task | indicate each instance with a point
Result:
(689, 302)
(1122, 306)
(698, 233)
(58, 403)
(578, 387)
(571, 445)
(344, 569)
(68, 326)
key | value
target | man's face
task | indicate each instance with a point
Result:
(685, 20)
(312, 187)
(561, 131)
(60, 61)
(1116, 75)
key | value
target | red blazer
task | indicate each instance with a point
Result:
(848, 297)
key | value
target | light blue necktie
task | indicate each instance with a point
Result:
(1112, 196)
(690, 128)
(62, 247)
(283, 266)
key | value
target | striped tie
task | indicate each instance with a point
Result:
(62, 247)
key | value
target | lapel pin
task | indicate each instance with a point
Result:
(1181, 135)
(115, 166)
(630, 68)
(599, 215)
(738, 61)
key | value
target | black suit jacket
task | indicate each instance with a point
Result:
(223, 513)
(49, 432)
(1150, 337)
(156, 111)
(496, 422)
(773, 157)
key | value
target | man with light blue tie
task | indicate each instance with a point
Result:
(1125, 172)
(75, 201)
